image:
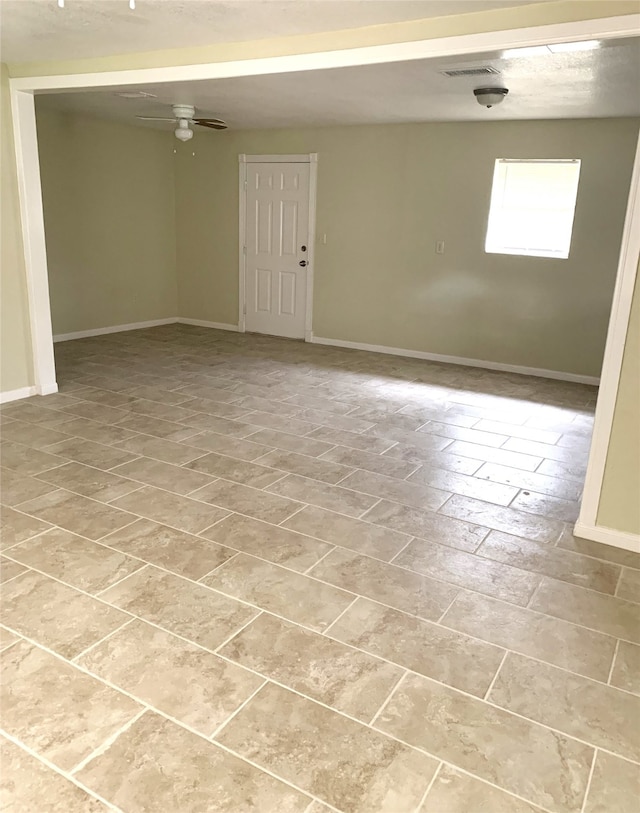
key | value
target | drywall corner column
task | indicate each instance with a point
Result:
(619, 506)
(35, 254)
(609, 512)
(16, 374)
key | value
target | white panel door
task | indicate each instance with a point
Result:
(277, 248)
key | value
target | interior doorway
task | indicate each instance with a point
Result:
(277, 226)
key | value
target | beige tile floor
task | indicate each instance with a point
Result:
(248, 574)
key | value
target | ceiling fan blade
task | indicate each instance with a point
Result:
(214, 124)
(154, 118)
(209, 119)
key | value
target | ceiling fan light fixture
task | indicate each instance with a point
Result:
(183, 116)
(183, 132)
(489, 97)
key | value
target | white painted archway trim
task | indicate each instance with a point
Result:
(26, 146)
(35, 252)
(603, 28)
(586, 525)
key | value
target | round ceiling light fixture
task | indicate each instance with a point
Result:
(488, 97)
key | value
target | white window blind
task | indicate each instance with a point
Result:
(532, 207)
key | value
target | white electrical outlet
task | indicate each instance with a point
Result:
(440, 247)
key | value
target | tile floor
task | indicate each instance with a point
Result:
(248, 574)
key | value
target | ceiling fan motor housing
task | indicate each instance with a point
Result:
(184, 111)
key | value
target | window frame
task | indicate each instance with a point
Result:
(531, 252)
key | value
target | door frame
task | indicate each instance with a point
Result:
(305, 158)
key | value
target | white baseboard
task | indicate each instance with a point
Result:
(100, 331)
(203, 323)
(464, 362)
(608, 536)
(16, 395)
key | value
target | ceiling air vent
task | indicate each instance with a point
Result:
(482, 70)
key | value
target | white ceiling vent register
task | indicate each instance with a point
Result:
(480, 70)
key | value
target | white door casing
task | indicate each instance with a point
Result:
(277, 218)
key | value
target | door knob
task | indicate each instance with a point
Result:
(302, 263)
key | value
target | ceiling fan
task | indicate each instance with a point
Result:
(183, 116)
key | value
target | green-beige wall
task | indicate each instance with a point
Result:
(385, 195)
(108, 193)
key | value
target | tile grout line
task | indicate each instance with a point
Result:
(200, 581)
(59, 771)
(444, 626)
(97, 643)
(5, 551)
(402, 549)
(403, 673)
(370, 508)
(533, 595)
(267, 771)
(6, 581)
(231, 637)
(11, 643)
(419, 808)
(386, 702)
(589, 778)
(411, 473)
(495, 677)
(108, 742)
(332, 548)
(200, 534)
(346, 476)
(286, 519)
(616, 649)
(219, 728)
(337, 618)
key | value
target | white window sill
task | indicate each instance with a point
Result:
(525, 252)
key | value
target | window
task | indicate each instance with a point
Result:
(532, 207)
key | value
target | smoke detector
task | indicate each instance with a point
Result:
(488, 97)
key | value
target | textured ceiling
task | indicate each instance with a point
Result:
(37, 30)
(599, 83)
